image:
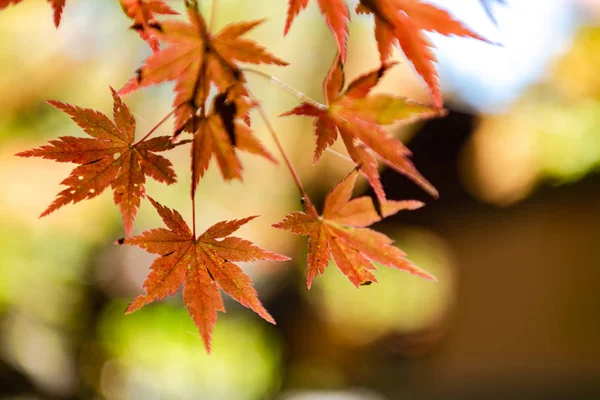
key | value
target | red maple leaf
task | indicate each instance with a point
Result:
(142, 12)
(358, 119)
(336, 14)
(111, 158)
(202, 265)
(340, 233)
(221, 133)
(57, 6)
(404, 22)
(196, 57)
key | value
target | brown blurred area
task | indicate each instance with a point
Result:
(514, 239)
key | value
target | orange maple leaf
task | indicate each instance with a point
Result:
(358, 119)
(57, 6)
(111, 158)
(336, 14)
(340, 233)
(221, 133)
(202, 265)
(196, 57)
(142, 12)
(404, 22)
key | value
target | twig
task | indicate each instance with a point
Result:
(287, 88)
(308, 204)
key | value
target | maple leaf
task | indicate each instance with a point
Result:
(109, 158)
(142, 12)
(220, 133)
(336, 14)
(358, 119)
(195, 58)
(57, 6)
(341, 233)
(404, 22)
(202, 265)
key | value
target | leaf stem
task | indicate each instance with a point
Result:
(194, 216)
(162, 121)
(308, 204)
(340, 155)
(287, 88)
(194, 185)
(212, 15)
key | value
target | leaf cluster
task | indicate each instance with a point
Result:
(218, 126)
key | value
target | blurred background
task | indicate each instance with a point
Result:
(514, 238)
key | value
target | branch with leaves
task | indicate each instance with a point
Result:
(219, 125)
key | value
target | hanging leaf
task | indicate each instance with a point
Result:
(336, 14)
(358, 119)
(195, 58)
(109, 158)
(404, 22)
(202, 265)
(220, 134)
(341, 233)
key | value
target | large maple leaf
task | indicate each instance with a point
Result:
(109, 158)
(341, 233)
(202, 265)
(221, 133)
(142, 12)
(358, 119)
(336, 14)
(196, 57)
(404, 22)
(57, 7)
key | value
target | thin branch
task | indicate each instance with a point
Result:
(194, 183)
(308, 204)
(162, 121)
(287, 88)
(340, 155)
(199, 82)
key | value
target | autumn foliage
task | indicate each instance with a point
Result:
(202, 265)
(218, 126)
(340, 232)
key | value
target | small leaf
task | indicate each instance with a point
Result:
(220, 134)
